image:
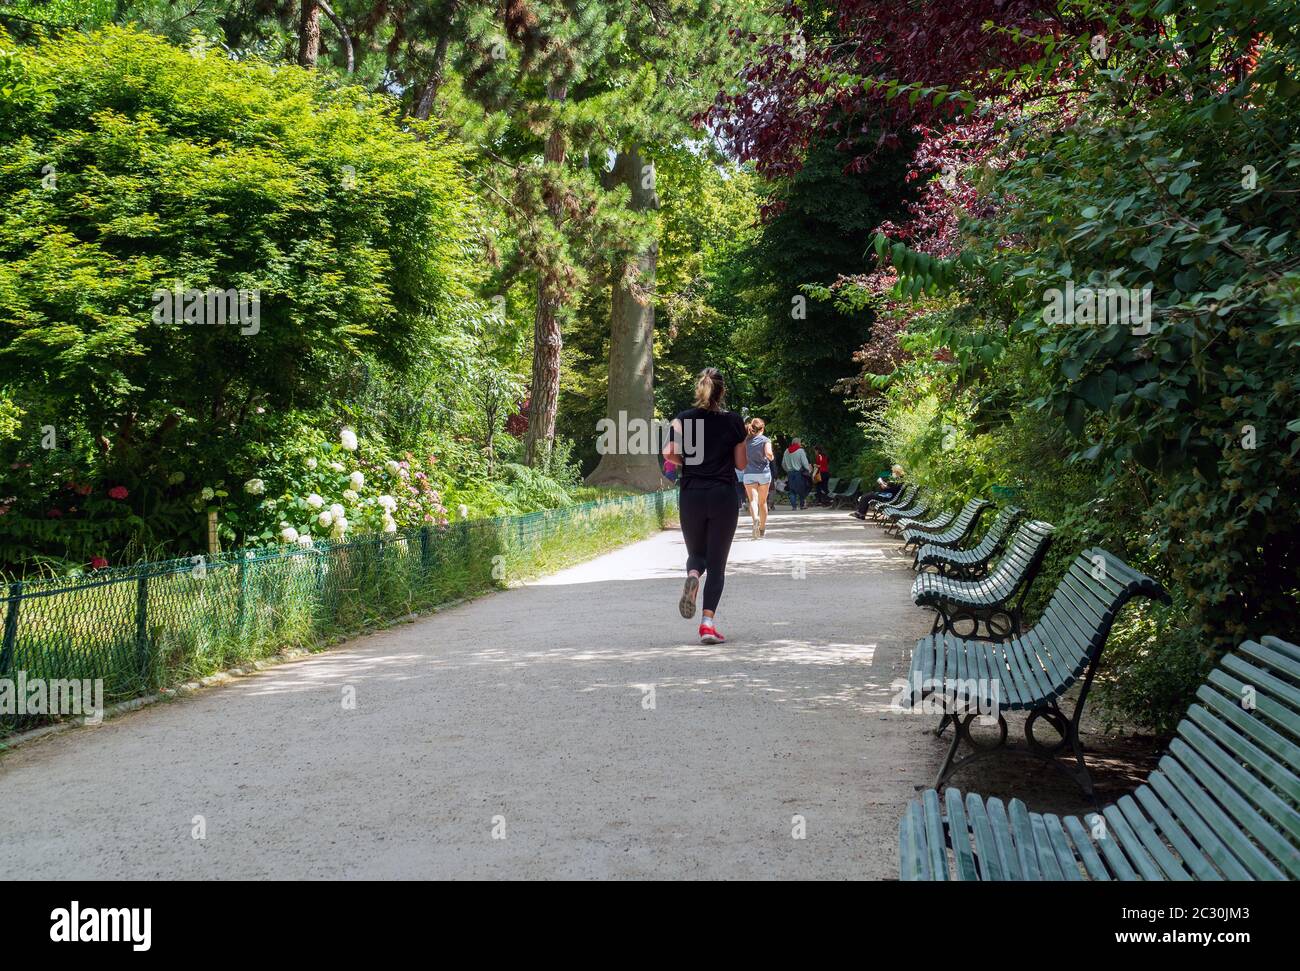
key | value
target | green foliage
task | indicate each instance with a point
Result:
(804, 347)
(1171, 441)
(130, 169)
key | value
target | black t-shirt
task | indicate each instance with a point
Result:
(707, 445)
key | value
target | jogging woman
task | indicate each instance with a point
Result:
(708, 444)
(758, 474)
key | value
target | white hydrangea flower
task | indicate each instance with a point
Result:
(392, 466)
(463, 511)
(207, 494)
(340, 527)
(348, 439)
(289, 534)
(311, 463)
(176, 478)
(336, 466)
(315, 502)
(326, 518)
(388, 502)
(304, 540)
(254, 487)
(336, 510)
(390, 524)
(350, 496)
(358, 480)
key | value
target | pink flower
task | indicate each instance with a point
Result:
(118, 492)
(98, 563)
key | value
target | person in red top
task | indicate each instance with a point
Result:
(824, 467)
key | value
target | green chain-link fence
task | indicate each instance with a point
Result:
(150, 626)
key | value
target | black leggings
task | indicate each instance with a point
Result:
(709, 515)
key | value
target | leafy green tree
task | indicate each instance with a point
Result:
(138, 180)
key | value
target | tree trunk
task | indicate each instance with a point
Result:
(544, 392)
(631, 346)
(424, 107)
(309, 34)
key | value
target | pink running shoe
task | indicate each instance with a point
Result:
(709, 634)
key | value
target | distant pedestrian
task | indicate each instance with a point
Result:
(822, 464)
(758, 473)
(799, 470)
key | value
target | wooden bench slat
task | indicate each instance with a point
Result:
(1006, 847)
(1060, 844)
(1092, 861)
(986, 854)
(1227, 822)
(1190, 854)
(1119, 831)
(959, 835)
(932, 818)
(1221, 769)
(1260, 747)
(1195, 824)
(1151, 840)
(1023, 835)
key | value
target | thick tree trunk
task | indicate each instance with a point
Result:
(631, 348)
(544, 392)
(309, 34)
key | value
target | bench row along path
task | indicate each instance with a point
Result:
(517, 736)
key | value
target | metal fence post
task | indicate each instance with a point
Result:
(11, 627)
(242, 600)
(142, 623)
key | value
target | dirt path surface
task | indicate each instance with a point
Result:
(528, 715)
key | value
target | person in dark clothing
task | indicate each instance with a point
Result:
(887, 490)
(707, 443)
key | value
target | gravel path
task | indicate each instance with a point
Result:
(527, 715)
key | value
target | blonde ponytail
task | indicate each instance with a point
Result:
(710, 389)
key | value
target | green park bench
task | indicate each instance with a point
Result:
(905, 497)
(939, 519)
(952, 533)
(846, 494)
(922, 505)
(975, 562)
(1220, 805)
(964, 677)
(997, 600)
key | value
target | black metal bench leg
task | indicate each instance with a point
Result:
(943, 723)
(947, 769)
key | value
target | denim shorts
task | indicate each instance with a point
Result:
(758, 478)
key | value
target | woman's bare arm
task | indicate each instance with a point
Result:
(671, 452)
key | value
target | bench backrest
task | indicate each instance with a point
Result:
(1021, 562)
(916, 506)
(1235, 763)
(1007, 517)
(905, 497)
(1078, 618)
(968, 513)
